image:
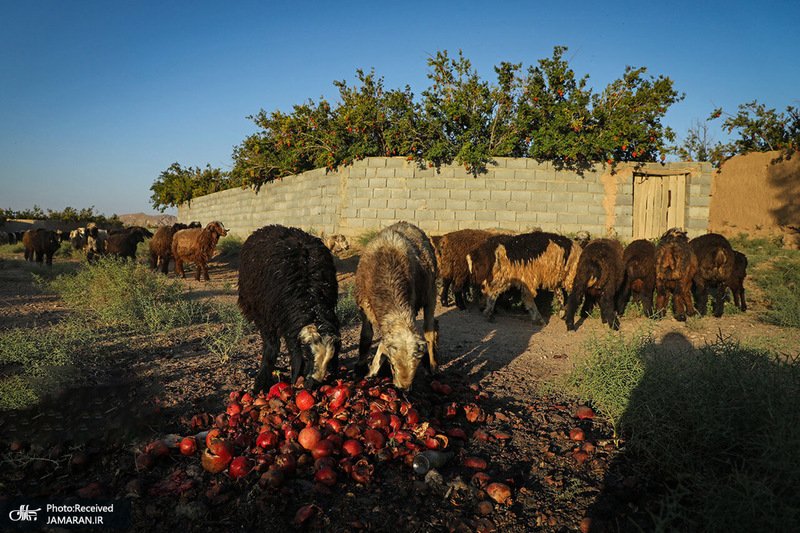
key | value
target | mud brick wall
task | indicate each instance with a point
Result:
(515, 194)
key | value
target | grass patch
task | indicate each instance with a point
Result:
(230, 245)
(126, 295)
(34, 360)
(346, 307)
(714, 423)
(365, 237)
(227, 339)
(780, 287)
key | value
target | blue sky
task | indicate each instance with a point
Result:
(97, 98)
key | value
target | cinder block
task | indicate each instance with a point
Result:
(506, 216)
(448, 225)
(377, 203)
(562, 197)
(397, 203)
(439, 193)
(456, 205)
(500, 195)
(428, 226)
(567, 218)
(436, 203)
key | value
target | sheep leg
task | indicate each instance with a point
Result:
(622, 298)
(572, 305)
(492, 293)
(271, 345)
(431, 328)
(179, 267)
(589, 302)
(165, 265)
(719, 301)
(701, 297)
(364, 344)
(375, 367)
(561, 299)
(204, 265)
(662, 298)
(608, 311)
(529, 299)
(445, 295)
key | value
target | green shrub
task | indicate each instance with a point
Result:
(226, 340)
(716, 424)
(346, 307)
(365, 237)
(780, 285)
(611, 370)
(35, 359)
(230, 245)
(127, 295)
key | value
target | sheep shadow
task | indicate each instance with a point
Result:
(472, 345)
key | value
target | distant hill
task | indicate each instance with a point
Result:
(140, 219)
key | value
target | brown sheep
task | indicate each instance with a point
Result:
(395, 278)
(451, 257)
(161, 246)
(639, 277)
(597, 279)
(714, 269)
(480, 262)
(196, 245)
(676, 264)
(736, 281)
(530, 262)
(40, 244)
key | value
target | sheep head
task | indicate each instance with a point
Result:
(319, 349)
(217, 228)
(404, 348)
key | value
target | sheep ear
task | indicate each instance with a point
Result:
(421, 351)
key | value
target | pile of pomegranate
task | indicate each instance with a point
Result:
(337, 433)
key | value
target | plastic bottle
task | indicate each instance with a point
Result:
(429, 459)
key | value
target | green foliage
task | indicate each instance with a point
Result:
(713, 423)
(69, 214)
(698, 144)
(365, 237)
(780, 284)
(610, 372)
(34, 359)
(347, 308)
(714, 420)
(126, 295)
(230, 245)
(226, 340)
(758, 129)
(178, 184)
(547, 113)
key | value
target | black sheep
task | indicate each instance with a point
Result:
(122, 243)
(597, 279)
(639, 276)
(714, 268)
(288, 289)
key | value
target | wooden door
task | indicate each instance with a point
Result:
(659, 203)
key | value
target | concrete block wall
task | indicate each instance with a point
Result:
(515, 194)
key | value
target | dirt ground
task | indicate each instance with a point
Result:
(82, 442)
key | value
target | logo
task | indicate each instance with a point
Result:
(24, 514)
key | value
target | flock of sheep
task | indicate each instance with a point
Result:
(288, 285)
